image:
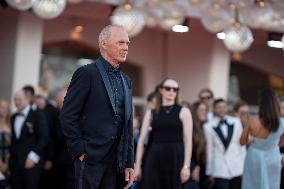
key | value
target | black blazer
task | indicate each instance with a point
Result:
(34, 137)
(88, 116)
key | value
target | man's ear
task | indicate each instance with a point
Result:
(104, 44)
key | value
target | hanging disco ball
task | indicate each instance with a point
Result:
(238, 38)
(49, 9)
(130, 18)
(258, 16)
(170, 14)
(21, 4)
(216, 18)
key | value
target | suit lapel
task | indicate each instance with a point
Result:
(230, 134)
(106, 82)
(127, 98)
(221, 136)
(27, 120)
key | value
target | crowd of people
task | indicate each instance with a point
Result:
(32, 146)
(201, 145)
(231, 148)
(86, 142)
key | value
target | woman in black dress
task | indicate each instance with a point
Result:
(167, 164)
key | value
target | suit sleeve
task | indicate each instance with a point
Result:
(72, 107)
(130, 154)
(209, 140)
(41, 130)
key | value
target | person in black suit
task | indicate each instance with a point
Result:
(29, 138)
(96, 117)
(51, 113)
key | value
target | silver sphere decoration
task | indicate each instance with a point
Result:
(49, 9)
(238, 38)
(216, 18)
(130, 18)
(258, 16)
(169, 14)
(21, 4)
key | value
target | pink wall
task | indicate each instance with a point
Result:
(196, 59)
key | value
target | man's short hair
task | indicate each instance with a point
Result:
(151, 96)
(218, 100)
(106, 32)
(239, 104)
(29, 90)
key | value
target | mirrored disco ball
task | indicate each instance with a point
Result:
(49, 9)
(258, 15)
(21, 4)
(238, 38)
(216, 18)
(130, 18)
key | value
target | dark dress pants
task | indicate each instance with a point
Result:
(25, 179)
(234, 183)
(101, 175)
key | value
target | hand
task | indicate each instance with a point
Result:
(129, 177)
(184, 174)
(3, 166)
(211, 181)
(47, 165)
(196, 173)
(82, 157)
(29, 164)
(137, 173)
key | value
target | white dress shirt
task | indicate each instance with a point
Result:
(224, 129)
(19, 122)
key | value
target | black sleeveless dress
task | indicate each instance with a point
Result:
(165, 153)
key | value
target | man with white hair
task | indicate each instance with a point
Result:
(96, 117)
(29, 138)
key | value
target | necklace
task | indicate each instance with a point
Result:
(168, 109)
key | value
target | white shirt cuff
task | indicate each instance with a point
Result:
(34, 157)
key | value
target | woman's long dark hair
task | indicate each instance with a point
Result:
(199, 141)
(269, 110)
(159, 96)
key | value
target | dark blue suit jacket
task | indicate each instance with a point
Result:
(88, 116)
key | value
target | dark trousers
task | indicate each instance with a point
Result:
(64, 177)
(101, 175)
(25, 179)
(234, 183)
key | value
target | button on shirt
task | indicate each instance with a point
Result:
(115, 79)
(18, 126)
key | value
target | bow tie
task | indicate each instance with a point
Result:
(20, 114)
(223, 121)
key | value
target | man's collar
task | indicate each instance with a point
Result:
(26, 110)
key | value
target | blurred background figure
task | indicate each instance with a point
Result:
(152, 100)
(29, 139)
(30, 93)
(207, 96)
(225, 155)
(282, 105)
(262, 165)
(5, 142)
(198, 161)
(167, 163)
(241, 110)
(51, 113)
